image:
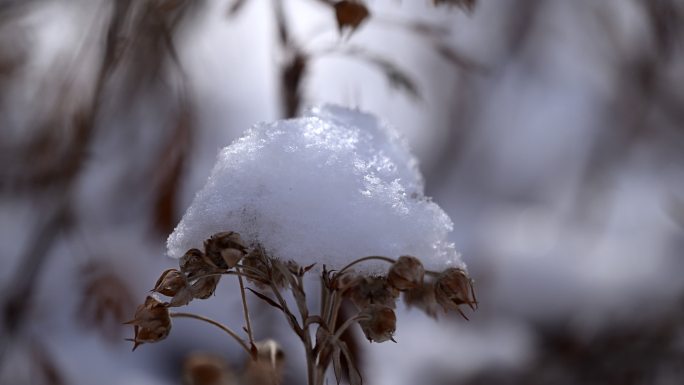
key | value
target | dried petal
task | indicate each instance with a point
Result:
(183, 297)
(379, 323)
(373, 290)
(225, 249)
(453, 288)
(203, 288)
(151, 323)
(406, 273)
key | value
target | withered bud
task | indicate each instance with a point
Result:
(203, 288)
(344, 281)
(281, 271)
(406, 273)
(453, 288)
(225, 249)
(170, 282)
(423, 297)
(173, 283)
(194, 264)
(379, 323)
(151, 323)
(373, 291)
(261, 269)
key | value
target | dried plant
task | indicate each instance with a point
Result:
(373, 296)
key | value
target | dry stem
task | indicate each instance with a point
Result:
(215, 323)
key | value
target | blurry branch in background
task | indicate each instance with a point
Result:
(296, 60)
(645, 350)
(645, 106)
(137, 43)
(21, 288)
(105, 302)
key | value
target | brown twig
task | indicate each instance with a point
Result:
(221, 326)
(245, 311)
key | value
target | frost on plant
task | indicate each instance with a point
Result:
(335, 194)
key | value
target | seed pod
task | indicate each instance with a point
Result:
(453, 288)
(203, 288)
(170, 283)
(194, 264)
(262, 269)
(406, 273)
(373, 291)
(379, 323)
(151, 323)
(173, 283)
(225, 249)
(423, 297)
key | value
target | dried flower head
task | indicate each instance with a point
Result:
(173, 283)
(373, 291)
(170, 283)
(151, 323)
(262, 269)
(378, 323)
(194, 264)
(453, 288)
(406, 273)
(225, 249)
(423, 297)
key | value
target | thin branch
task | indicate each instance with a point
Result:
(246, 311)
(291, 319)
(372, 257)
(217, 324)
(346, 325)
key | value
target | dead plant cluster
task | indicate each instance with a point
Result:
(373, 296)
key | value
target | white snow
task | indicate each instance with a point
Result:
(327, 188)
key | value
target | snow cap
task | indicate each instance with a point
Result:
(329, 187)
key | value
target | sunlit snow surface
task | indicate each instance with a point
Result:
(327, 188)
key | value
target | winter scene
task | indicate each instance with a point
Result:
(322, 192)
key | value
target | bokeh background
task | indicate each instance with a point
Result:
(551, 131)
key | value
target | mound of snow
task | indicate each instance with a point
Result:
(329, 187)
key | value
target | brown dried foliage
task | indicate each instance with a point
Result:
(373, 296)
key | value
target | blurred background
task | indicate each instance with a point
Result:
(551, 131)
